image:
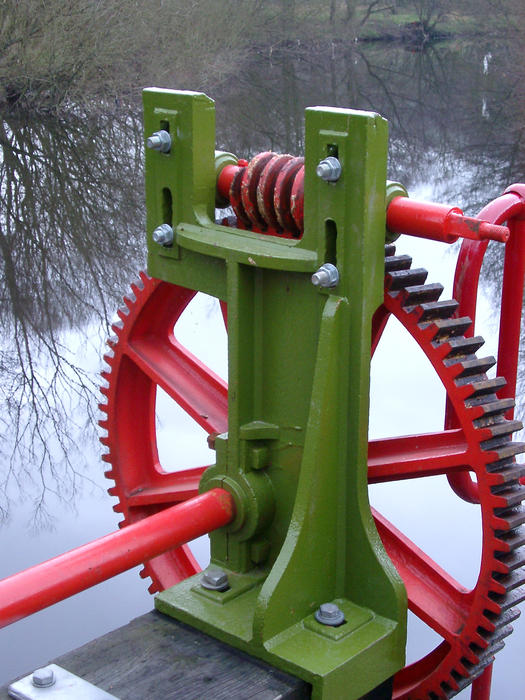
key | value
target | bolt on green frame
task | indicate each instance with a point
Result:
(295, 455)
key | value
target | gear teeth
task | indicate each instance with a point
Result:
(432, 321)
(509, 497)
(486, 656)
(397, 262)
(398, 280)
(435, 310)
(112, 341)
(507, 601)
(420, 294)
(118, 508)
(497, 637)
(479, 388)
(123, 313)
(512, 518)
(137, 287)
(462, 347)
(506, 451)
(117, 327)
(390, 250)
(492, 411)
(511, 561)
(470, 368)
(512, 540)
(495, 622)
(443, 329)
(501, 478)
(500, 430)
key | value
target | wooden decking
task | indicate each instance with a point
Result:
(157, 658)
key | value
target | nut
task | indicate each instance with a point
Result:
(163, 235)
(215, 580)
(159, 141)
(43, 677)
(329, 169)
(326, 276)
(329, 614)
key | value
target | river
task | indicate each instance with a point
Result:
(71, 233)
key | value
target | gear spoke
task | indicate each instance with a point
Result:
(414, 456)
(433, 595)
(198, 390)
(168, 489)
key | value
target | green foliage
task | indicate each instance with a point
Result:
(59, 52)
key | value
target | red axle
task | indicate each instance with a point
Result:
(267, 196)
(56, 579)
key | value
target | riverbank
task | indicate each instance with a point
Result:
(58, 58)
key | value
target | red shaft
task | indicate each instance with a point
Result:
(439, 222)
(56, 579)
(481, 685)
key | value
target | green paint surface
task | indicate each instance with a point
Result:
(295, 455)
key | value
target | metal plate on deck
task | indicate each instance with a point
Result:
(55, 683)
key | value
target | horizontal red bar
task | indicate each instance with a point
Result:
(56, 579)
(439, 222)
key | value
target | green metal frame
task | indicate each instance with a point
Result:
(295, 455)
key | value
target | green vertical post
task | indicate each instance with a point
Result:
(295, 455)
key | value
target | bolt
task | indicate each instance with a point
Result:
(329, 614)
(215, 580)
(326, 276)
(43, 677)
(329, 169)
(163, 235)
(159, 141)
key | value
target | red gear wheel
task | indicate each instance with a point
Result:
(145, 354)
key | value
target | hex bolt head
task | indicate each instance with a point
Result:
(329, 614)
(329, 169)
(215, 580)
(163, 235)
(43, 677)
(326, 276)
(159, 141)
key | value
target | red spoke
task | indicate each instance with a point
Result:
(198, 390)
(433, 595)
(168, 488)
(414, 456)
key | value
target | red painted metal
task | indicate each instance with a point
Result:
(146, 355)
(439, 222)
(481, 686)
(251, 189)
(61, 577)
(464, 618)
(510, 207)
(267, 196)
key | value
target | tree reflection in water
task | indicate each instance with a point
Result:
(71, 233)
(71, 236)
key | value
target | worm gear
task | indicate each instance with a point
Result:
(145, 355)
